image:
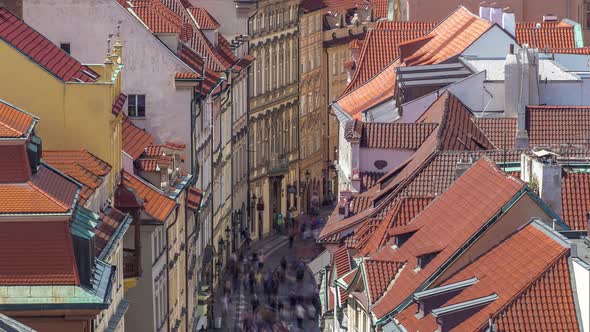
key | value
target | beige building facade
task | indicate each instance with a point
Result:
(273, 114)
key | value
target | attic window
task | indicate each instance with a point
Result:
(65, 47)
(400, 239)
(425, 259)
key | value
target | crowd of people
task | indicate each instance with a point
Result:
(274, 294)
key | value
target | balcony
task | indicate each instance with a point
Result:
(278, 165)
(131, 265)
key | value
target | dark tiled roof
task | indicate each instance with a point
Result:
(500, 131)
(135, 140)
(111, 227)
(368, 179)
(558, 125)
(41, 51)
(395, 135)
(37, 253)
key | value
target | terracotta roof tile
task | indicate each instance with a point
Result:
(355, 44)
(158, 17)
(153, 164)
(193, 198)
(575, 198)
(156, 203)
(447, 40)
(15, 163)
(500, 131)
(539, 295)
(15, 123)
(379, 275)
(187, 76)
(205, 20)
(380, 8)
(577, 50)
(41, 51)
(368, 179)
(110, 222)
(36, 253)
(395, 135)
(549, 36)
(558, 125)
(311, 5)
(360, 203)
(380, 48)
(375, 91)
(341, 262)
(134, 139)
(119, 103)
(485, 189)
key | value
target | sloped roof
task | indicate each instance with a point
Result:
(156, 203)
(368, 179)
(14, 161)
(134, 139)
(540, 296)
(485, 189)
(193, 198)
(551, 35)
(204, 19)
(500, 131)
(37, 253)
(41, 51)
(381, 47)
(448, 39)
(15, 123)
(380, 8)
(81, 165)
(395, 135)
(575, 199)
(379, 274)
(558, 125)
(111, 227)
(341, 261)
(157, 17)
(375, 91)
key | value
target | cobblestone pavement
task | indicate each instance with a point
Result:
(274, 251)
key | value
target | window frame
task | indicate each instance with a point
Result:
(135, 105)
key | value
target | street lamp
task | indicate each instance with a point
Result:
(227, 231)
(307, 175)
(220, 245)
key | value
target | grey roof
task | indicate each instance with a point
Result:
(445, 289)
(548, 69)
(102, 280)
(442, 311)
(429, 75)
(318, 264)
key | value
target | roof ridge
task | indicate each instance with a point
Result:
(44, 193)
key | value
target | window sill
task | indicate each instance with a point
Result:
(137, 117)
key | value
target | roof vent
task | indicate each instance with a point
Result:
(462, 166)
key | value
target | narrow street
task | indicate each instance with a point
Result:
(240, 306)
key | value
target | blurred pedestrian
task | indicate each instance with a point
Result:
(300, 314)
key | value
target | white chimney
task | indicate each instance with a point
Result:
(509, 21)
(544, 176)
(496, 15)
(484, 10)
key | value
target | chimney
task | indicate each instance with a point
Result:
(509, 21)
(484, 10)
(496, 15)
(544, 176)
(550, 18)
(462, 167)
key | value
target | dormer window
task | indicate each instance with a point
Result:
(425, 259)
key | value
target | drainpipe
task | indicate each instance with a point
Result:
(248, 207)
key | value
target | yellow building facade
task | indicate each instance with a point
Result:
(74, 115)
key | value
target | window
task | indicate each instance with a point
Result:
(136, 106)
(335, 64)
(303, 105)
(65, 47)
(587, 12)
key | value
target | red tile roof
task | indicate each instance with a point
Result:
(82, 166)
(368, 179)
(153, 164)
(558, 125)
(187, 76)
(37, 253)
(404, 211)
(380, 48)
(534, 291)
(485, 189)
(15, 163)
(341, 262)
(395, 135)
(375, 91)
(380, 8)
(575, 199)
(549, 36)
(379, 274)
(156, 204)
(577, 50)
(158, 17)
(311, 5)
(205, 20)
(134, 139)
(119, 103)
(500, 131)
(108, 226)
(41, 51)
(15, 123)
(448, 39)
(193, 198)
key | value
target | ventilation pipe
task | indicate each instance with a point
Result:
(484, 10)
(509, 21)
